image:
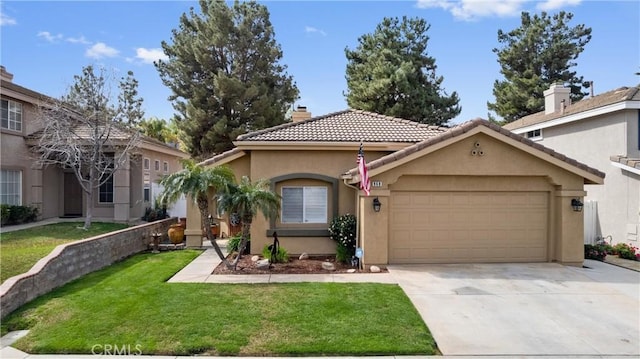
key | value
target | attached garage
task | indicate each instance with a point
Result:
(474, 194)
(461, 227)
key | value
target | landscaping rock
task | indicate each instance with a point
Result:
(328, 266)
(255, 258)
(374, 269)
(352, 270)
(304, 256)
(262, 264)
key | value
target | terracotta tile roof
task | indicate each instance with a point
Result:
(347, 126)
(608, 98)
(466, 127)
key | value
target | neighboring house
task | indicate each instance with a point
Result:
(603, 132)
(472, 193)
(56, 191)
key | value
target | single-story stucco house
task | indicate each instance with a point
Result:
(472, 193)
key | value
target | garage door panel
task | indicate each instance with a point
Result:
(450, 227)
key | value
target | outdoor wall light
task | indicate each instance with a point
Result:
(577, 205)
(376, 205)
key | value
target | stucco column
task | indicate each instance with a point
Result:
(36, 189)
(121, 192)
(569, 226)
(194, 225)
(374, 228)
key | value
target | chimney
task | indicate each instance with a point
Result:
(591, 88)
(4, 75)
(556, 98)
(300, 114)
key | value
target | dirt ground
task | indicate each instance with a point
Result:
(313, 265)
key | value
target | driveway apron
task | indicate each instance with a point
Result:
(527, 309)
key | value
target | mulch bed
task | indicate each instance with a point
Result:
(313, 265)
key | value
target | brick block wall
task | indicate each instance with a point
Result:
(71, 261)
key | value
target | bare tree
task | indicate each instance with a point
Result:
(85, 132)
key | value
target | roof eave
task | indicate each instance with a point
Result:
(599, 111)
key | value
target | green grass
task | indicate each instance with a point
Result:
(129, 304)
(20, 250)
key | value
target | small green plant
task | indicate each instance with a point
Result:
(343, 231)
(234, 244)
(626, 251)
(595, 251)
(281, 257)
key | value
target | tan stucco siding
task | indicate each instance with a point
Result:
(500, 168)
(274, 164)
(593, 141)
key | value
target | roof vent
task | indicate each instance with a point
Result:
(300, 114)
(556, 98)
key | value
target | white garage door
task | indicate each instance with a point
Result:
(468, 227)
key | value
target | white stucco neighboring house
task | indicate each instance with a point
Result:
(603, 132)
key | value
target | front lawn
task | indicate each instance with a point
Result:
(20, 250)
(130, 305)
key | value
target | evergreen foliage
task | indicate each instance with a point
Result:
(223, 69)
(391, 73)
(539, 53)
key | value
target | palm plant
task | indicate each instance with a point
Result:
(246, 199)
(195, 181)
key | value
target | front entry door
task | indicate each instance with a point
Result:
(72, 195)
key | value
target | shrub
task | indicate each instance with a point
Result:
(18, 214)
(4, 214)
(234, 244)
(281, 257)
(154, 214)
(597, 252)
(343, 230)
(342, 254)
(626, 251)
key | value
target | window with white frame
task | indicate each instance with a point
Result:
(106, 189)
(11, 187)
(11, 115)
(165, 166)
(156, 165)
(534, 134)
(146, 164)
(304, 204)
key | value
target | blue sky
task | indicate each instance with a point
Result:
(45, 43)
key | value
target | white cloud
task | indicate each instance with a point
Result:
(148, 56)
(100, 50)
(6, 20)
(311, 30)
(78, 40)
(473, 9)
(49, 36)
(556, 4)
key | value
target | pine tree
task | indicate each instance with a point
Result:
(539, 53)
(391, 73)
(223, 69)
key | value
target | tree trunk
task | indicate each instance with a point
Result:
(203, 206)
(246, 232)
(89, 213)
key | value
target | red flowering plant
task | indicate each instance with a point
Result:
(597, 252)
(627, 251)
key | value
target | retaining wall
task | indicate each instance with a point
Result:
(72, 260)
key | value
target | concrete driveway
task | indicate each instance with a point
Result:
(527, 309)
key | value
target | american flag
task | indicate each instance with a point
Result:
(365, 184)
